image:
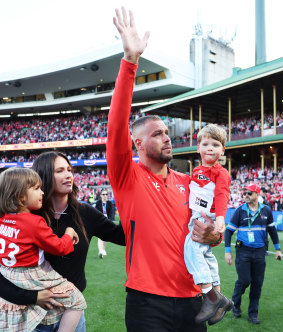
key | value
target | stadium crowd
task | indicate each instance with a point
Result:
(270, 182)
(91, 180)
(244, 127)
(12, 157)
(48, 130)
(68, 127)
(251, 124)
(71, 127)
(42, 129)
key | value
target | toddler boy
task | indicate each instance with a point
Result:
(209, 193)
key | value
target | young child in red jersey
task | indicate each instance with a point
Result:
(23, 239)
(209, 194)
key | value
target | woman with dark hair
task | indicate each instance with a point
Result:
(61, 209)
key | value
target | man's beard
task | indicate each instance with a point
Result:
(161, 158)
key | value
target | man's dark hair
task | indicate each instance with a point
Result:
(141, 121)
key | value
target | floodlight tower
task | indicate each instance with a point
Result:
(260, 38)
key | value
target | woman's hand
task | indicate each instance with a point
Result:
(46, 299)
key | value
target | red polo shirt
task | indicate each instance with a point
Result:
(154, 214)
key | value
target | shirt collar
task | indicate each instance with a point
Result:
(152, 174)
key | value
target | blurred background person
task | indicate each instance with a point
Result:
(106, 207)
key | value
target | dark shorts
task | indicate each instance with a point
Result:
(148, 312)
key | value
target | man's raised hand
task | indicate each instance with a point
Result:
(133, 45)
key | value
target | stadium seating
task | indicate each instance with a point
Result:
(44, 129)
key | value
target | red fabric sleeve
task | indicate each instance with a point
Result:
(222, 183)
(46, 240)
(119, 141)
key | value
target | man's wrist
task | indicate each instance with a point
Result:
(134, 59)
(218, 241)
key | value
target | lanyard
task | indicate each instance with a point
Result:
(252, 219)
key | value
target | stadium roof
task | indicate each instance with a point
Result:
(243, 87)
(91, 69)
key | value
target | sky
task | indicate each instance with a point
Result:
(35, 32)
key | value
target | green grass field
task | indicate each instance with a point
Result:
(105, 293)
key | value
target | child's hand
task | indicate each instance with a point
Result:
(73, 234)
(220, 228)
(75, 238)
(220, 224)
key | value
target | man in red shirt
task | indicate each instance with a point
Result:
(152, 203)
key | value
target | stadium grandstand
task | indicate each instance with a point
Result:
(249, 105)
(64, 106)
